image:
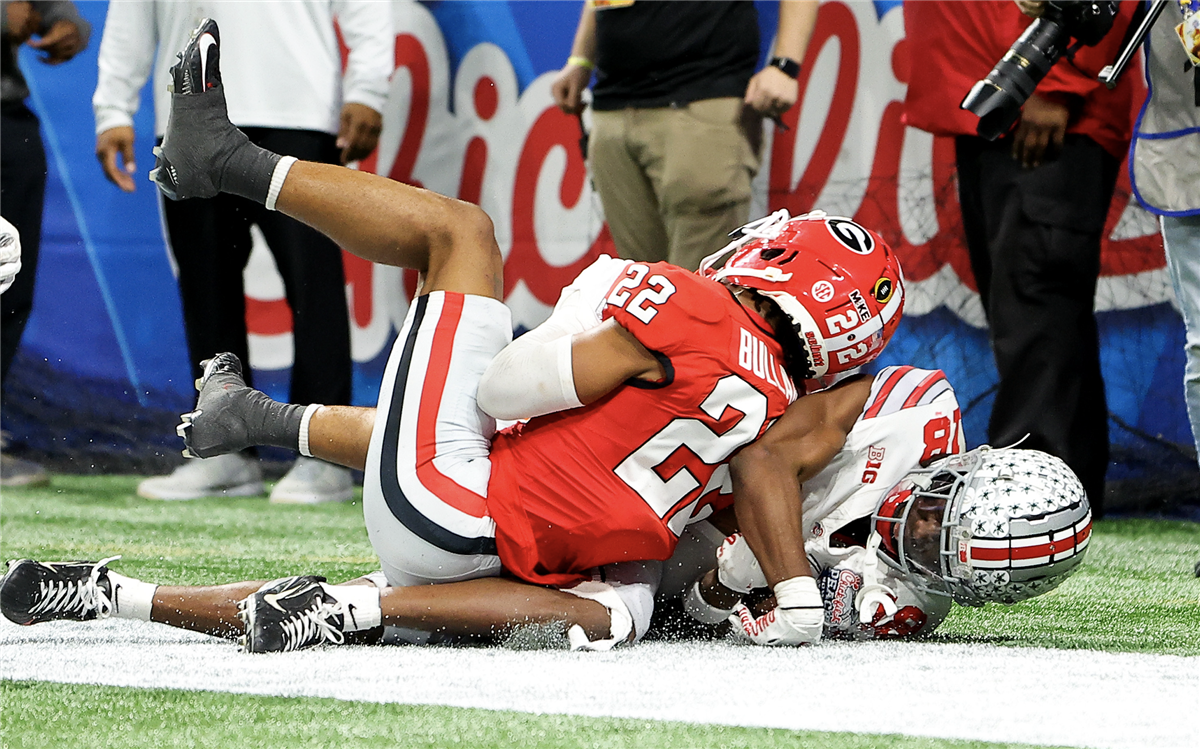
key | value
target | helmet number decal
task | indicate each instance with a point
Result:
(643, 305)
(851, 236)
(840, 321)
(857, 351)
(640, 471)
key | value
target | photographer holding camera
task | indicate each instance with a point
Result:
(1034, 204)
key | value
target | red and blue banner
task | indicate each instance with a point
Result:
(470, 115)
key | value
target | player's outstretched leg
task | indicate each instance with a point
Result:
(451, 242)
(35, 592)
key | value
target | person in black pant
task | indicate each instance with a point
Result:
(294, 98)
(63, 34)
(210, 241)
(1034, 241)
(1034, 207)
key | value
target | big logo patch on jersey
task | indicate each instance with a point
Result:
(850, 235)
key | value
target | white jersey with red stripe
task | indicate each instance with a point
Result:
(910, 419)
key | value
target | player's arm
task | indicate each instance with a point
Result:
(549, 370)
(767, 479)
(768, 474)
(603, 358)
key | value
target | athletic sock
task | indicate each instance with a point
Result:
(131, 599)
(360, 605)
(269, 422)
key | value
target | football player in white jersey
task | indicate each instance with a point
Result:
(901, 522)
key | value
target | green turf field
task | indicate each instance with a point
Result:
(1136, 592)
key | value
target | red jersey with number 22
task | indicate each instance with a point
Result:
(619, 480)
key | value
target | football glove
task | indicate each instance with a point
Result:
(797, 619)
(10, 254)
(737, 567)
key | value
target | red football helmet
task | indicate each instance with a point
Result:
(840, 283)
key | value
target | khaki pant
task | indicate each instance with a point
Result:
(675, 181)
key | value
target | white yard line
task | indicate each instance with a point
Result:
(983, 692)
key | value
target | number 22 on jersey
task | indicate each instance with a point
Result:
(644, 304)
(641, 469)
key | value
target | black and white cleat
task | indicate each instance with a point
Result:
(292, 613)
(35, 592)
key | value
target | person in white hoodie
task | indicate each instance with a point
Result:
(292, 96)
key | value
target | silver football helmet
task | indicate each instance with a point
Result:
(989, 525)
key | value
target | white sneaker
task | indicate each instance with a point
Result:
(16, 472)
(311, 481)
(233, 475)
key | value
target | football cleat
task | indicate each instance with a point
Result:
(218, 425)
(199, 137)
(35, 592)
(292, 613)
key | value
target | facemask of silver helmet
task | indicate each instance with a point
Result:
(990, 525)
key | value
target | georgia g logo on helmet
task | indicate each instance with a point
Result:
(852, 236)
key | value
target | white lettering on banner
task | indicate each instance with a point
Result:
(472, 133)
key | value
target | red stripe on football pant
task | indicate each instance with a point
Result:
(434, 384)
(884, 391)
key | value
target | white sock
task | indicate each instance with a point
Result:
(360, 603)
(131, 599)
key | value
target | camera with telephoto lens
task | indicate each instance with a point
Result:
(997, 99)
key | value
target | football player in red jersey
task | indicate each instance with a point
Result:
(640, 395)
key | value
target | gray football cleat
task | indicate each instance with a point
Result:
(35, 592)
(230, 415)
(199, 136)
(218, 424)
(202, 153)
(292, 613)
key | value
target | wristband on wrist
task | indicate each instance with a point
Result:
(700, 609)
(798, 593)
(582, 62)
(790, 67)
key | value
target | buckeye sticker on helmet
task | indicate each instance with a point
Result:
(852, 236)
(883, 290)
